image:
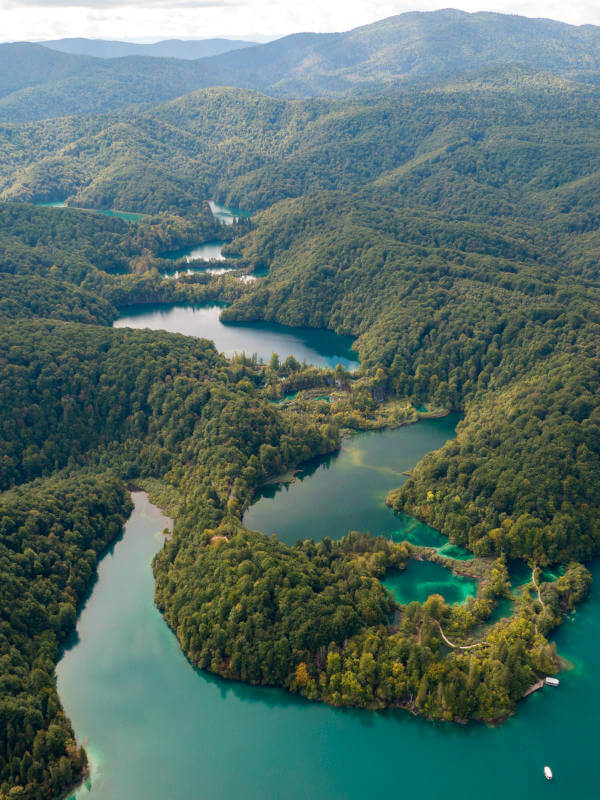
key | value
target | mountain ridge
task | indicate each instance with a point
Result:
(37, 82)
(187, 49)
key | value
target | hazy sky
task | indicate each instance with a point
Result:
(160, 19)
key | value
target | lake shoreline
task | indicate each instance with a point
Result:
(347, 434)
(320, 348)
(70, 643)
(76, 785)
(384, 716)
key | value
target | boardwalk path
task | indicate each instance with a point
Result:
(456, 646)
(537, 588)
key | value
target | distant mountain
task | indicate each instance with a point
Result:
(412, 46)
(23, 64)
(415, 48)
(169, 48)
(39, 83)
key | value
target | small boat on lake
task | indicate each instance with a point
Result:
(548, 773)
(552, 681)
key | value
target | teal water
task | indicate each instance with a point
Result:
(520, 574)
(422, 578)
(417, 532)
(454, 551)
(159, 730)
(321, 348)
(129, 216)
(207, 251)
(347, 490)
(283, 399)
(227, 215)
(504, 608)
(551, 575)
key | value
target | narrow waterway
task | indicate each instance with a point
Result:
(157, 729)
(128, 216)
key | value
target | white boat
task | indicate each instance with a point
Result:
(552, 681)
(548, 773)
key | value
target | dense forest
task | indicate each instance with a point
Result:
(79, 401)
(464, 147)
(37, 82)
(52, 534)
(453, 230)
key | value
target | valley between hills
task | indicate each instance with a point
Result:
(327, 309)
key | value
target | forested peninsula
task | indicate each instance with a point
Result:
(461, 256)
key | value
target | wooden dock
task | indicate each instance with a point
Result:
(534, 687)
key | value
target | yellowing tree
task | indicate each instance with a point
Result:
(301, 675)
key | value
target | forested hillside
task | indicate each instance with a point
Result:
(40, 83)
(84, 407)
(453, 229)
(410, 47)
(497, 133)
(467, 267)
(52, 534)
(471, 281)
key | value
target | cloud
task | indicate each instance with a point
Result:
(141, 5)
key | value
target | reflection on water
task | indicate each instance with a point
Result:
(321, 348)
(208, 251)
(346, 491)
(227, 215)
(160, 730)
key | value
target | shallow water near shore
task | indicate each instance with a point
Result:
(157, 729)
(160, 730)
(347, 490)
(421, 579)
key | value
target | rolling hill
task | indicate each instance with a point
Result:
(450, 224)
(414, 46)
(169, 48)
(407, 49)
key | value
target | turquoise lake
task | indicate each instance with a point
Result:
(347, 490)
(322, 348)
(157, 729)
(129, 216)
(227, 215)
(205, 252)
(423, 578)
